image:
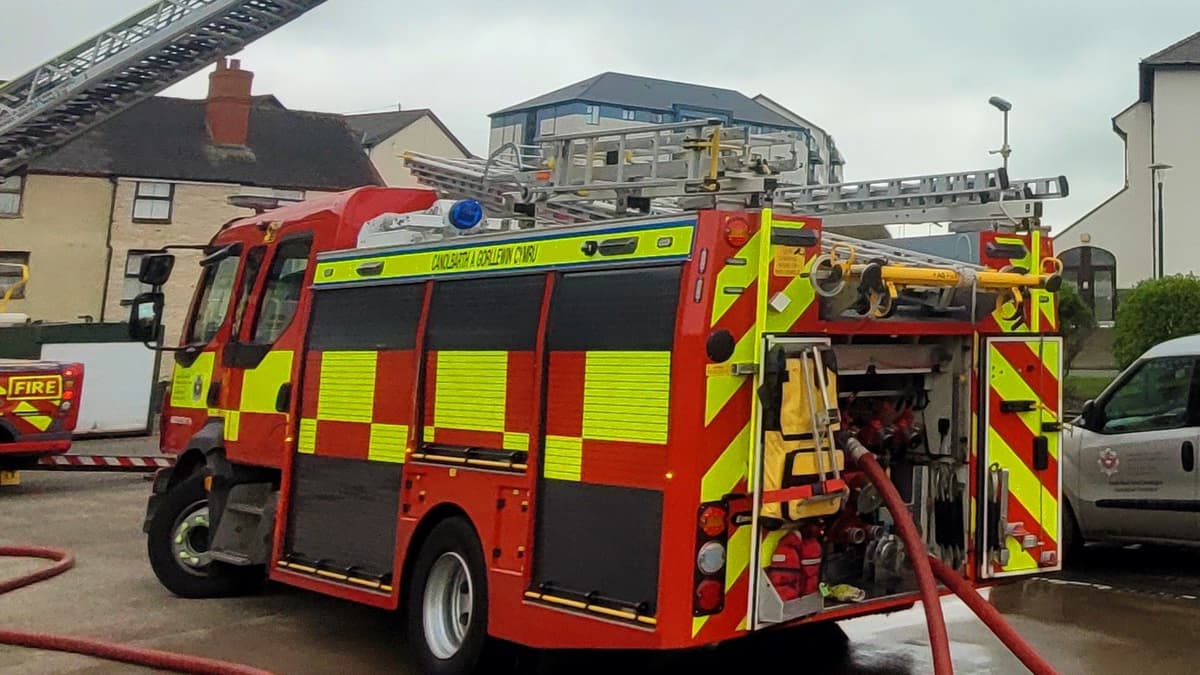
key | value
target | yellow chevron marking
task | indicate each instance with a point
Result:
(801, 294)
(1007, 380)
(730, 467)
(719, 389)
(1024, 484)
(735, 276)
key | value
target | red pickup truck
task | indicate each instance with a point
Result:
(39, 406)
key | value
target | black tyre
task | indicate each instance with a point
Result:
(177, 545)
(446, 602)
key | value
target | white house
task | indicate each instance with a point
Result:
(1148, 228)
(386, 136)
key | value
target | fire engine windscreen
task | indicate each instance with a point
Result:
(831, 539)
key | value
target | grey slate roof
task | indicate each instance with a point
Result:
(374, 128)
(635, 91)
(1184, 52)
(166, 138)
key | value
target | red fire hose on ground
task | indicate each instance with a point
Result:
(927, 567)
(149, 658)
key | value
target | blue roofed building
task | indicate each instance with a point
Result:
(612, 100)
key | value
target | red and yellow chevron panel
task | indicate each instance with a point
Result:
(1023, 399)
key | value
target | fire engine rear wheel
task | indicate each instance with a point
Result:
(177, 545)
(446, 602)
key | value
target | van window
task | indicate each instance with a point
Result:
(1154, 398)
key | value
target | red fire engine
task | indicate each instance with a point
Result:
(39, 404)
(611, 401)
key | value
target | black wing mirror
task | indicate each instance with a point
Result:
(1088, 412)
(145, 316)
(156, 269)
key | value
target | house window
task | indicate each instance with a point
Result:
(152, 202)
(1093, 271)
(11, 272)
(628, 115)
(131, 287)
(593, 114)
(10, 195)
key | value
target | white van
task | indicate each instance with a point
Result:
(1130, 458)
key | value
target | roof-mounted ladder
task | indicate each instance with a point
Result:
(134, 59)
(669, 168)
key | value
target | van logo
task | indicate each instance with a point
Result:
(35, 388)
(1108, 462)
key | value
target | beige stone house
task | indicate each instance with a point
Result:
(386, 136)
(161, 174)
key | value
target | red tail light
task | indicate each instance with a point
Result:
(712, 527)
(737, 232)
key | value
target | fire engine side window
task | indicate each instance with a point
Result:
(615, 309)
(496, 313)
(281, 293)
(212, 303)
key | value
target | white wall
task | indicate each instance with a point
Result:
(425, 136)
(1177, 142)
(1122, 224)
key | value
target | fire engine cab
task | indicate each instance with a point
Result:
(604, 396)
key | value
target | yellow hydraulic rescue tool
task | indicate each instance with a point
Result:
(882, 281)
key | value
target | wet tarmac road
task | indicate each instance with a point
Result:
(1117, 611)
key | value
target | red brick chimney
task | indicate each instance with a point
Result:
(227, 111)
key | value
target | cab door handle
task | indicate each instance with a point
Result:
(1187, 454)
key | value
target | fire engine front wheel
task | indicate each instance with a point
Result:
(446, 602)
(177, 545)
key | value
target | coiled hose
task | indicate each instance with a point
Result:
(150, 658)
(927, 567)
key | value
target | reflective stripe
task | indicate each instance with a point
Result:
(189, 384)
(514, 440)
(564, 458)
(232, 426)
(651, 242)
(720, 388)
(470, 390)
(730, 468)
(260, 385)
(41, 422)
(734, 277)
(626, 396)
(306, 442)
(347, 391)
(387, 443)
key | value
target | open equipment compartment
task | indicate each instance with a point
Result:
(909, 404)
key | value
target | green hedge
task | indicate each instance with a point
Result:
(1156, 310)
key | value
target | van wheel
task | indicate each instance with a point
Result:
(446, 601)
(177, 545)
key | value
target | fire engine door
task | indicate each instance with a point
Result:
(1019, 475)
(259, 360)
(797, 469)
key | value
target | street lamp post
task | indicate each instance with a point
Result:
(1003, 106)
(1156, 172)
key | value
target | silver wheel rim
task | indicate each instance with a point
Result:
(449, 601)
(189, 540)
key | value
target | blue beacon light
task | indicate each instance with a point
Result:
(465, 214)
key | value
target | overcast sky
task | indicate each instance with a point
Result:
(903, 87)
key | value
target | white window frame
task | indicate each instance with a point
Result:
(148, 194)
(7, 188)
(593, 114)
(629, 115)
(130, 286)
(10, 275)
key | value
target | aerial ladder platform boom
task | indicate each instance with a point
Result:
(136, 58)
